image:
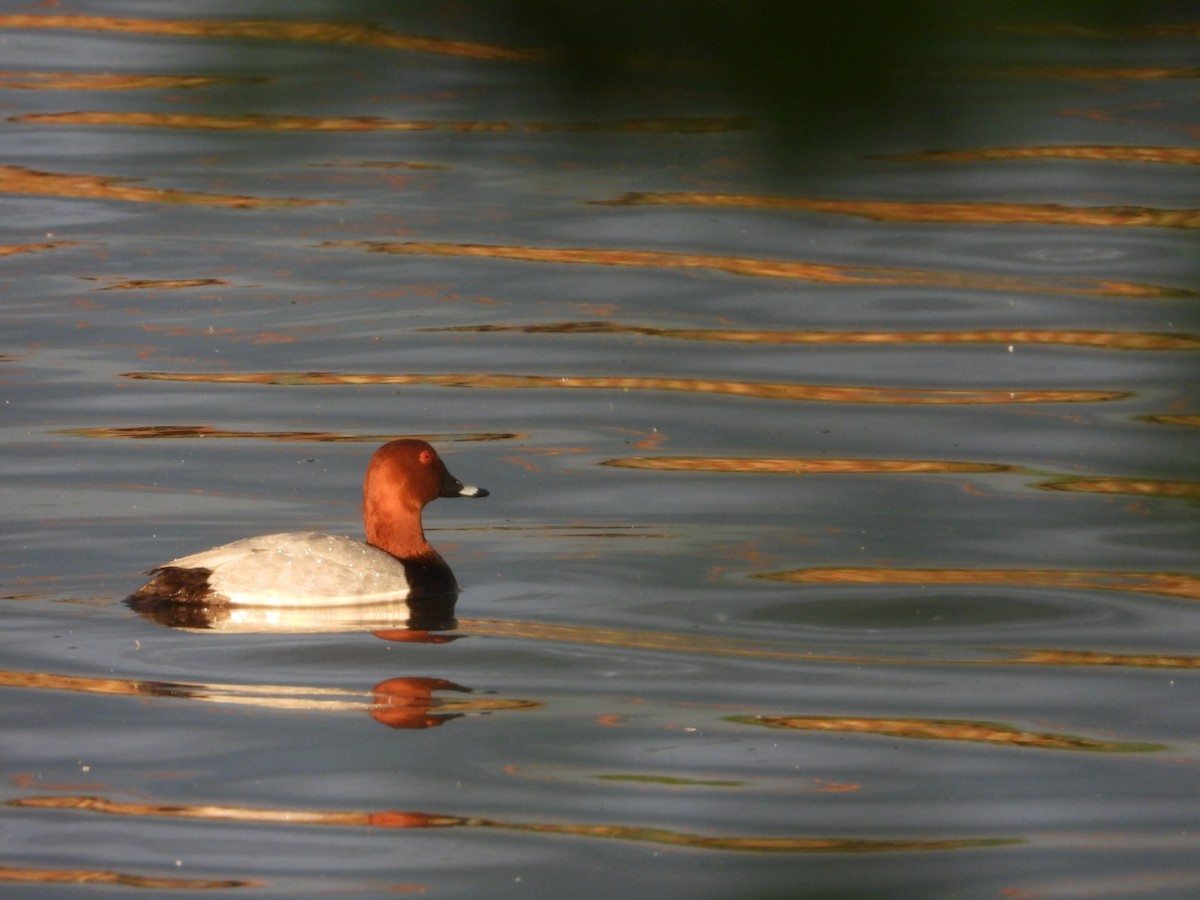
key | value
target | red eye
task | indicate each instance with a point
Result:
(426, 457)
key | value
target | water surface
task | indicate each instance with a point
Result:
(842, 537)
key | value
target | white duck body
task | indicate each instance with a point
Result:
(309, 569)
(299, 567)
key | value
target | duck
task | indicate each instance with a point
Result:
(311, 569)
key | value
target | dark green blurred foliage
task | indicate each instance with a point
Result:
(816, 71)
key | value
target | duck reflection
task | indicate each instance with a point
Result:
(409, 702)
(405, 703)
(400, 702)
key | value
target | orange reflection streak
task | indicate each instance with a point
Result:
(362, 35)
(680, 643)
(1164, 583)
(397, 702)
(643, 640)
(752, 389)
(1143, 487)
(276, 696)
(163, 284)
(1168, 419)
(172, 432)
(793, 466)
(768, 268)
(894, 211)
(13, 249)
(830, 466)
(105, 81)
(1189, 156)
(948, 730)
(13, 875)
(262, 122)
(1109, 340)
(19, 180)
(1093, 658)
(413, 819)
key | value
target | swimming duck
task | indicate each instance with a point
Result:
(304, 568)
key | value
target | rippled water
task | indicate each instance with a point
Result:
(842, 538)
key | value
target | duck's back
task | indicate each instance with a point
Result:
(302, 568)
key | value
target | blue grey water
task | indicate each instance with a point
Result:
(713, 639)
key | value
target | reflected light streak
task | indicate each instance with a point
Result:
(1141, 487)
(13, 249)
(265, 122)
(14, 875)
(1189, 156)
(795, 466)
(163, 284)
(20, 180)
(698, 644)
(925, 212)
(414, 819)
(274, 696)
(397, 702)
(947, 730)
(1163, 583)
(750, 389)
(767, 268)
(107, 81)
(1108, 340)
(188, 432)
(351, 33)
(1169, 419)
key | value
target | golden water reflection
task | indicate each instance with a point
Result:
(1189, 156)
(1109, 340)
(405, 819)
(179, 432)
(741, 465)
(947, 730)
(797, 466)
(926, 211)
(1141, 487)
(709, 646)
(161, 284)
(13, 875)
(20, 180)
(13, 249)
(267, 122)
(770, 268)
(400, 702)
(109, 81)
(1173, 419)
(351, 33)
(752, 389)
(1166, 584)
